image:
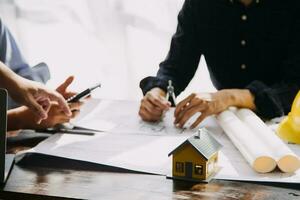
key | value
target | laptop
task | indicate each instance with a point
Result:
(6, 160)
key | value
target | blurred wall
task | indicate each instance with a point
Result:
(116, 42)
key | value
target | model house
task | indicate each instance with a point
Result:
(196, 158)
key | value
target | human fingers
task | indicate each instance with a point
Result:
(146, 116)
(75, 113)
(63, 87)
(46, 105)
(187, 115)
(199, 119)
(37, 108)
(182, 104)
(194, 102)
(151, 108)
(158, 101)
(75, 105)
(55, 96)
(64, 120)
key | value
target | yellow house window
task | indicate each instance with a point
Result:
(199, 169)
(179, 167)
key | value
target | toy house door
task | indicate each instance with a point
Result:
(188, 170)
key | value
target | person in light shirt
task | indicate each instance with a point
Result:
(35, 97)
(20, 116)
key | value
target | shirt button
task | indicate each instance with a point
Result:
(243, 42)
(244, 17)
(243, 66)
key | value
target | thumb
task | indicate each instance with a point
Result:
(63, 87)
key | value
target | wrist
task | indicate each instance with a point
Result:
(159, 91)
(241, 98)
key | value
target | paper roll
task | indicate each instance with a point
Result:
(287, 161)
(252, 149)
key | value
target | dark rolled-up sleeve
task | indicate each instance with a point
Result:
(273, 101)
(184, 55)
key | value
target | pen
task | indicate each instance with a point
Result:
(77, 132)
(83, 94)
(69, 131)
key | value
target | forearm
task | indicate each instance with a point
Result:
(21, 118)
(8, 77)
(241, 98)
(14, 119)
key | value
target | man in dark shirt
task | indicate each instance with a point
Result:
(252, 50)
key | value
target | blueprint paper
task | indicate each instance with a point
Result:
(149, 152)
(142, 153)
(122, 117)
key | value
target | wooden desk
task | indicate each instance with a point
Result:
(40, 178)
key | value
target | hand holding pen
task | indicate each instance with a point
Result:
(156, 102)
(153, 105)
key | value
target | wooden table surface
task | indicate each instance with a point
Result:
(48, 178)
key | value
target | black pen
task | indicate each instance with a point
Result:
(83, 94)
(77, 132)
(69, 131)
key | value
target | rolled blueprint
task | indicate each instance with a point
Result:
(252, 149)
(286, 160)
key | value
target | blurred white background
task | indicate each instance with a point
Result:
(115, 42)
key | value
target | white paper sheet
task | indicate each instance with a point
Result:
(142, 153)
(148, 152)
(122, 117)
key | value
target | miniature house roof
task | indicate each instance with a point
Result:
(206, 144)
